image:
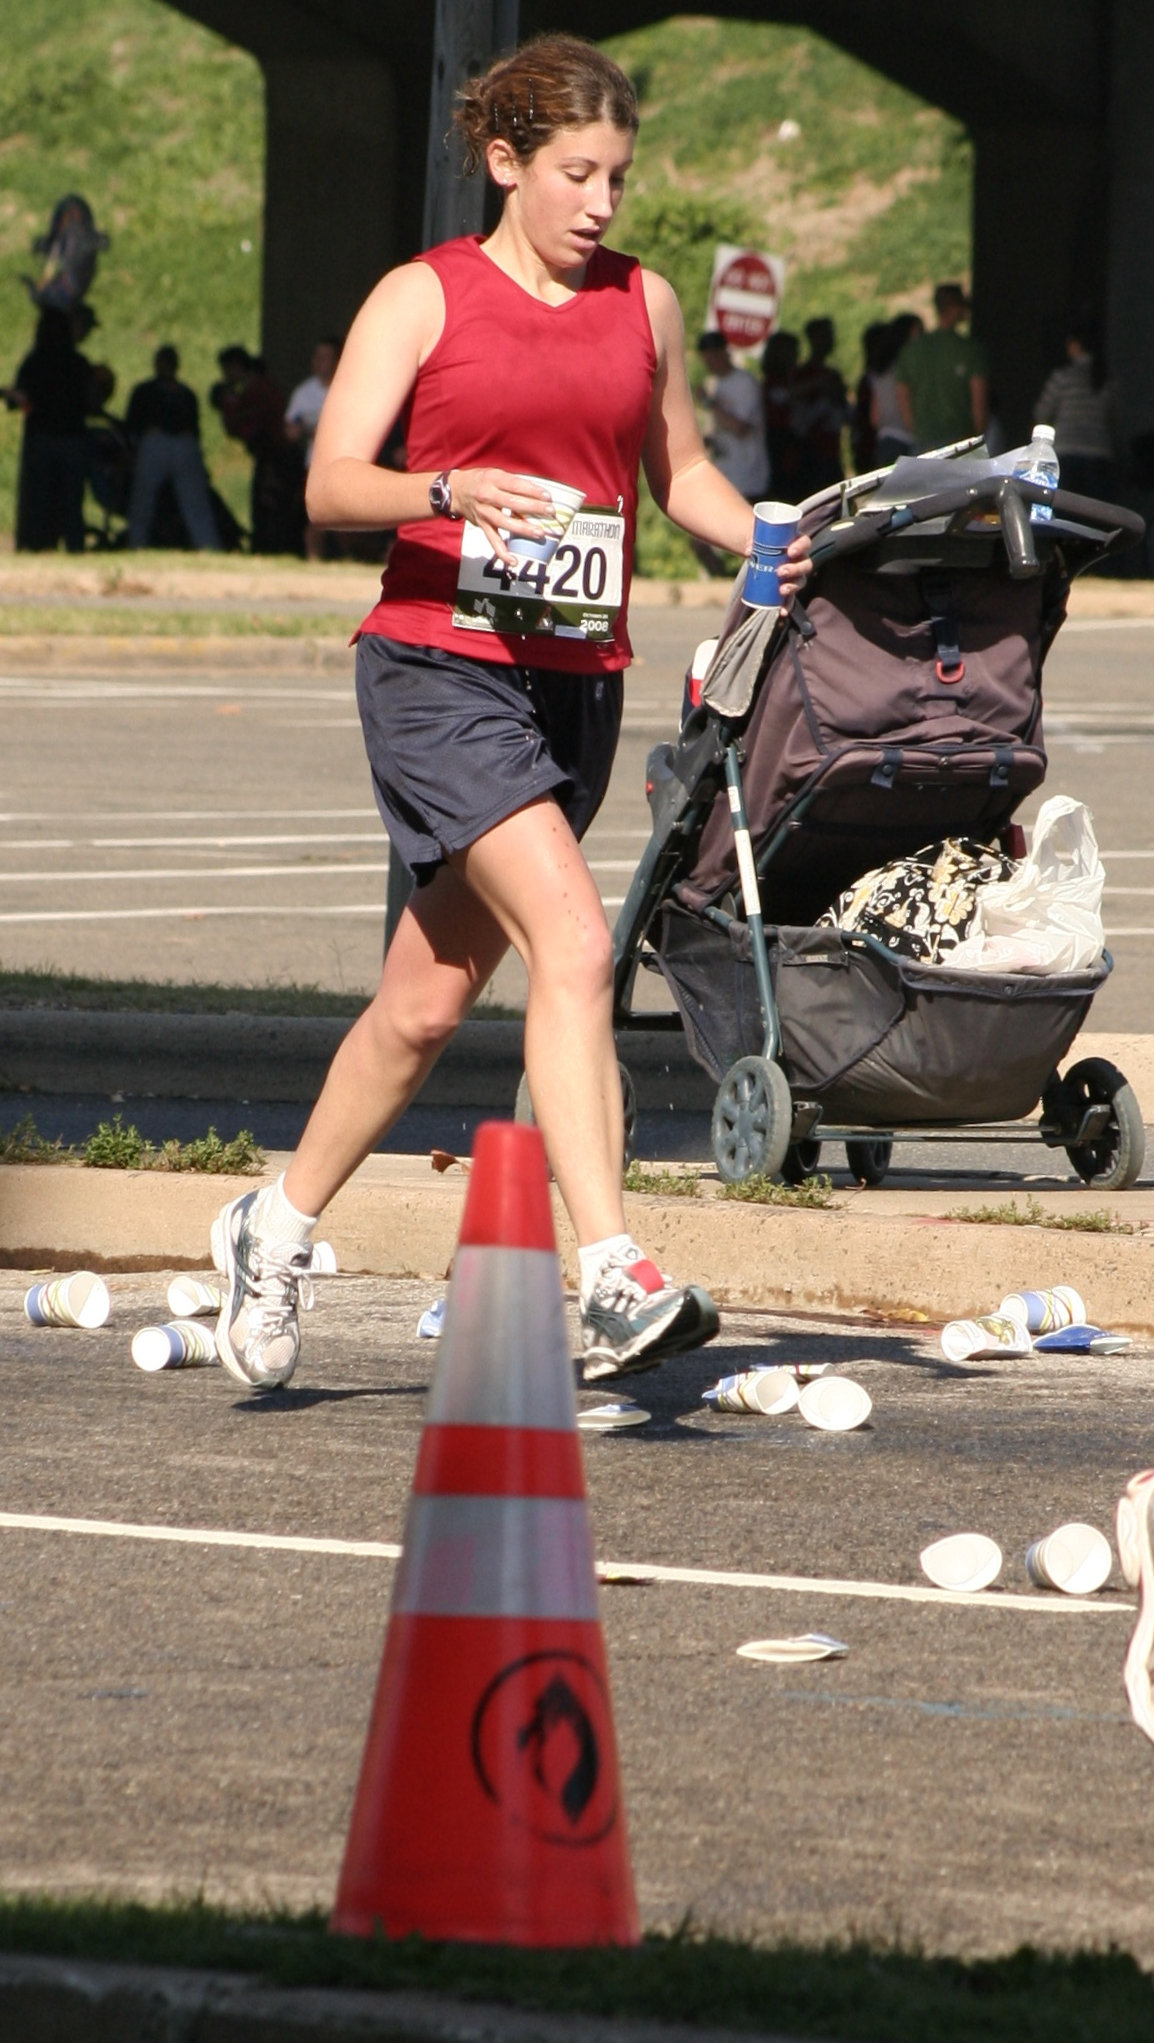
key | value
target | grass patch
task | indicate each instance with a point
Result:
(665, 1184)
(1033, 1214)
(112, 1146)
(858, 1992)
(25, 1144)
(761, 1191)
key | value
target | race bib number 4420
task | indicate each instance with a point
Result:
(577, 594)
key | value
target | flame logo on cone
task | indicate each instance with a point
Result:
(537, 1739)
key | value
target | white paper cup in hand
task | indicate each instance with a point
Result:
(79, 1300)
(1075, 1559)
(972, 1340)
(188, 1296)
(553, 524)
(834, 1404)
(1043, 1312)
(183, 1344)
(966, 1560)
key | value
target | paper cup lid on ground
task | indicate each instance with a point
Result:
(611, 1418)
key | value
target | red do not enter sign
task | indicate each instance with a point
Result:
(745, 295)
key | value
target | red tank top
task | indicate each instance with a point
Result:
(561, 391)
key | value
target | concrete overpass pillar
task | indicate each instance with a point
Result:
(330, 217)
(1039, 253)
(1130, 223)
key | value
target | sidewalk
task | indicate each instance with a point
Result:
(896, 1252)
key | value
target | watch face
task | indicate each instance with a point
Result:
(441, 496)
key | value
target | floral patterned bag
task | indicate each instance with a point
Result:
(921, 906)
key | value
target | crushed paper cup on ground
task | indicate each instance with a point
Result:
(183, 1344)
(965, 1560)
(189, 1296)
(1081, 1340)
(977, 1340)
(835, 1404)
(786, 1652)
(611, 1418)
(431, 1323)
(1044, 1311)
(1075, 1559)
(753, 1390)
(78, 1300)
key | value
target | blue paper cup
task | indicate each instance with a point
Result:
(774, 525)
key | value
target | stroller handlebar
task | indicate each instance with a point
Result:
(1008, 495)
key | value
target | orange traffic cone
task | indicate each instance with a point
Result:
(488, 1807)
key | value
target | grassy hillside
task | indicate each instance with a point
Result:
(865, 191)
(160, 126)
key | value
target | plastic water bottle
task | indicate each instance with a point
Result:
(1040, 464)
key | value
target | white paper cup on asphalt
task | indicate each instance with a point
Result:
(553, 524)
(1075, 1559)
(1043, 1312)
(182, 1344)
(966, 1560)
(323, 1260)
(78, 1300)
(770, 1391)
(835, 1404)
(189, 1296)
(976, 1340)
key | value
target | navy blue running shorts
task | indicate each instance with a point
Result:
(456, 745)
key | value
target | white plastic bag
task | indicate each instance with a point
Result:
(1048, 916)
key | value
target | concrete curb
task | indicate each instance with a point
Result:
(893, 1255)
(63, 2000)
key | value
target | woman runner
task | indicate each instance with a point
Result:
(491, 700)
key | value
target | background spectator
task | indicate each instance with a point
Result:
(820, 410)
(52, 390)
(163, 426)
(943, 377)
(303, 416)
(252, 409)
(736, 436)
(779, 359)
(894, 437)
(1078, 402)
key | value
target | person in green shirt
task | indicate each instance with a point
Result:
(942, 377)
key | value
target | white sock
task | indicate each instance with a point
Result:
(594, 1257)
(277, 1219)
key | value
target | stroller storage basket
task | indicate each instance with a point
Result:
(877, 1039)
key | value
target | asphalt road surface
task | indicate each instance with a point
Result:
(220, 826)
(180, 1715)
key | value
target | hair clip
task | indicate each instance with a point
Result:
(530, 102)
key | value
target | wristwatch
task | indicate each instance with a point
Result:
(441, 496)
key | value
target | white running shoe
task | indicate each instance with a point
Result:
(635, 1317)
(266, 1283)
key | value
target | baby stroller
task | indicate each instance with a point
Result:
(899, 705)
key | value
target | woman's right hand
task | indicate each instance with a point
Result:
(499, 503)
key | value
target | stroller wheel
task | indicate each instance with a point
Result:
(752, 1117)
(523, 1109)
(801, 1161)
(869, 1159)
(1114, 1158)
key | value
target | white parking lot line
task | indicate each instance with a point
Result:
(369, 1549)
